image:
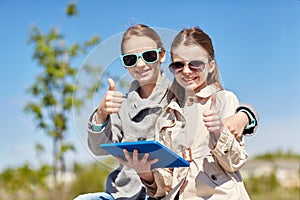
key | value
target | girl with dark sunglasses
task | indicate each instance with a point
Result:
(133, 118)
(130, 117)
(192, 126)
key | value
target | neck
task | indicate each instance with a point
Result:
(195, 90)
(147, 89)
(189, 93)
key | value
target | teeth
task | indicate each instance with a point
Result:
(189, 78)
(140, 72)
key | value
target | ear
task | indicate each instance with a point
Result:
(212, 66)
(162, 56)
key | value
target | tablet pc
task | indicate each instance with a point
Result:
(166, 157)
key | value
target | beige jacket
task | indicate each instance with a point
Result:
(215, 162)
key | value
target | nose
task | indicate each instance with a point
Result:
(186, 68)
(140, 62)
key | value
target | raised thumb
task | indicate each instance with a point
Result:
(111, 84)
(213, 100)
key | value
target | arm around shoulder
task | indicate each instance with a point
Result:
(252, 116)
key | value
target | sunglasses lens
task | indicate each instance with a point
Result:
(175, 67)
(150, 56)
(129, 60)
(197, 65)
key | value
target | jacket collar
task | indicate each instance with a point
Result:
(203, 94)
(207, 91)
(136, 104)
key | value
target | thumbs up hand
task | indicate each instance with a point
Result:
(111, 103)
(211, 117)
(111, 84)
(213, 100)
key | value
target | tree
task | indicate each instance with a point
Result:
(53, 88)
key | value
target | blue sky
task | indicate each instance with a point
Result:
(256, 42)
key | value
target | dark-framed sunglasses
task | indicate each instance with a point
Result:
(150, 56)
(194, 65)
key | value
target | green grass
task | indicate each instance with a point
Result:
(278, 194)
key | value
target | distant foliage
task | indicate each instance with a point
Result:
(278, 155)
(90, 178)
(262, 183)
(24, 182)
(71, 9)
(268, 187)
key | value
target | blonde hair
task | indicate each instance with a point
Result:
(141, 30)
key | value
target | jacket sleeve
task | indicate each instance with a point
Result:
(106, 135)
(230, 152)
(162, 183)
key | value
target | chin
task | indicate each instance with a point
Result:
(190, 88)
(145, 80)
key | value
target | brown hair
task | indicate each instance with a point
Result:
(194, 36)
(188, 37)
(141, 30)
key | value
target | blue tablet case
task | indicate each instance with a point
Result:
(166, 157)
